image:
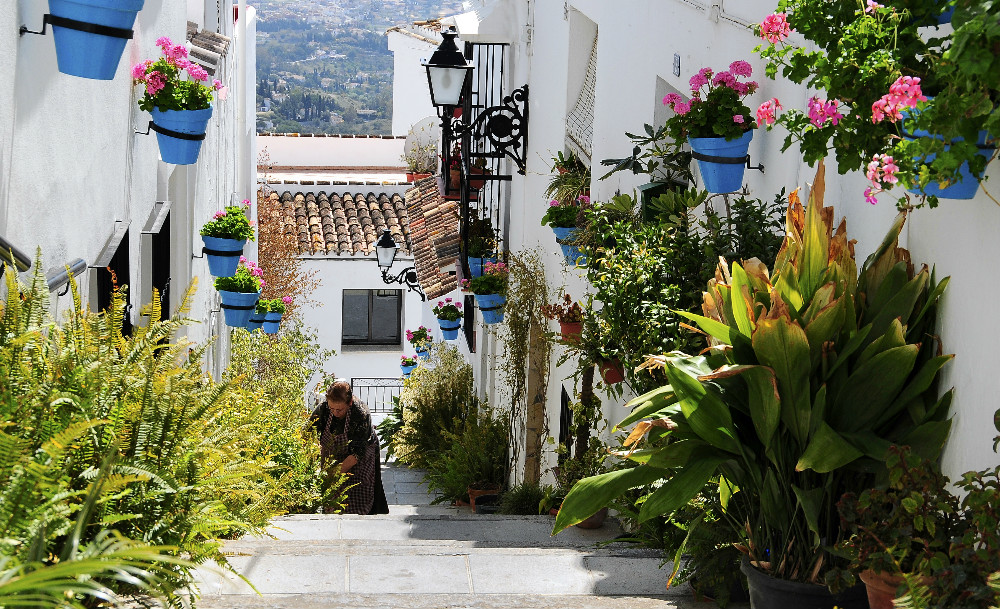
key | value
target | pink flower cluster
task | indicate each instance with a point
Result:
(775, 28)
(821, 111)
(904, 93)
(176, 55)
(286, 299)
(495, 268)
(219, 214)
(449, 302)
(765, 113)
(706, 77)
(873, 6)
(882, 168)
(255, 271)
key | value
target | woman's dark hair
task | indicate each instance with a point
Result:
(339, 392)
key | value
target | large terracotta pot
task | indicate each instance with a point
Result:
(492, 489)
(594, 522)
(571, 330)
(881, 588)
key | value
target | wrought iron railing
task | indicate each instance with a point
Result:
(377, 393)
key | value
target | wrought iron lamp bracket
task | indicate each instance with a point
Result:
(407, 277)
(505, 126)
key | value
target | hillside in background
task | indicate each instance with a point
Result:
(324, 66)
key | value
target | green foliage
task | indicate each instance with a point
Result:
(856, 55)
(475, 456)
(268, 374)
(561, 214)
(655, 154)
(813, 371)
(716, 107)
(390, 426)
(525, 499)
(245, 280)
(437, 399)
(231, 223)
(492, 281)
(643, 274)
(568, 185)
(482, 238)
(125, 454)
(270, 305)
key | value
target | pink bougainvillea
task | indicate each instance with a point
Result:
(775, 28)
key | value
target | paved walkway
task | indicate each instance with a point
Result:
(422, 557)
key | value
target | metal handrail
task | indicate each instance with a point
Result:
(13, 256)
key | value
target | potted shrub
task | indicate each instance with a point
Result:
(812, 370)
(569, 314)
(490, 290)
(561, 217)
(481, 244)
(716, 123)
(571, 179)
(275, 310)
(407, 363)
(180, 107)
(240, 292)
(421, 160)
(920, 108)
(449, 315)
(915, 537)
(224, 236)
(421, 341)
(85, 53)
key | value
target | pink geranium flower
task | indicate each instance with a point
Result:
(775, 28)
(286, 299)
(822, 111)
(765, 113)
(904, 93)
(738, 118)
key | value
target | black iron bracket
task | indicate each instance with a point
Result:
(727, 160)
(238, 307)
(194, 137)
(407, 277)
(80, 26)
(505, 126)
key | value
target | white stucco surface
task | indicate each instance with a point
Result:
(635, 51)
(331, 151)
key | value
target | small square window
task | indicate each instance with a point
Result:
(372, 317)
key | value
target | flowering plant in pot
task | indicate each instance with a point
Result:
(224, 237)
(490, 290)
(563, 217)
(912, 106)
(716, 123)
(420, 339)
(421, 159)
(449, 314)
(240, 292)
(180, 107)
(917, 539)
(812, 369)
(481, 244)
(272, 309)
(569, 314)
(407, 363)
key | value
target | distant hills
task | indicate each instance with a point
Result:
(324, 66)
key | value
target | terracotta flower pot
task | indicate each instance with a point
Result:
(413, 176)
(491, 489)
(473, 182)
(571, 330)
(594, 522)
(454, 179)
(612, 371)
(881, 588)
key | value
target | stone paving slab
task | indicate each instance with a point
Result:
(426, 574)
(457, 601)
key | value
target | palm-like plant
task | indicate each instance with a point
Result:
(813, 371)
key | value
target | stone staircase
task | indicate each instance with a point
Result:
(422, 557)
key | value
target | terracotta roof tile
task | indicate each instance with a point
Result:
(433, 223)
(342, 224)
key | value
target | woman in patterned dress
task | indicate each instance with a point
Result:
(347, 438)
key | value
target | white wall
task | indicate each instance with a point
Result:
(636, 47)
(411, 98)
(72, 165)
(332, 151)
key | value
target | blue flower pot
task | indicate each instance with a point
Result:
(564, 234)
(238, 307)
(476, 265)
(572, 255)
(90, 55)
(226, 257)
(969, 185)
(717, 176)
(175, 150)
(256, 321)
(407, 369)
(424, 353)
(449, 329)
(271, 322)
(491, 306)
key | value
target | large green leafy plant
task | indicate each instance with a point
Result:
(813, 371)
(871, 60)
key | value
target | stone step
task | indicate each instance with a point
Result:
(681, 600)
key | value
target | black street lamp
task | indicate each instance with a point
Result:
(447, 72)
(385, 254)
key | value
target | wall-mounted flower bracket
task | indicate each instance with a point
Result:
(80, 26)
(193, 137)
(727, 160)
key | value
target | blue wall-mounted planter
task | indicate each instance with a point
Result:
(226, 257)
(175, 150)
(86, 54)
(238, 307)
(719, 177)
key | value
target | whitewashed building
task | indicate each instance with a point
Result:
(79, 182)
(598, 69)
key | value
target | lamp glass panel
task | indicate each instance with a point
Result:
(446, 84)
(385, 255)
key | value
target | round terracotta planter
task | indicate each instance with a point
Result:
(612, 371)
(479, 492)
(571, 330)
(881, 588)
(594, 522)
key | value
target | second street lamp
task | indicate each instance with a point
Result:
(385, 254)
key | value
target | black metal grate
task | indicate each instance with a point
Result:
(377, 393)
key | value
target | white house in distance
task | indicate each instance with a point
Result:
(598, 69)
(338, 194)
(109, 202)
